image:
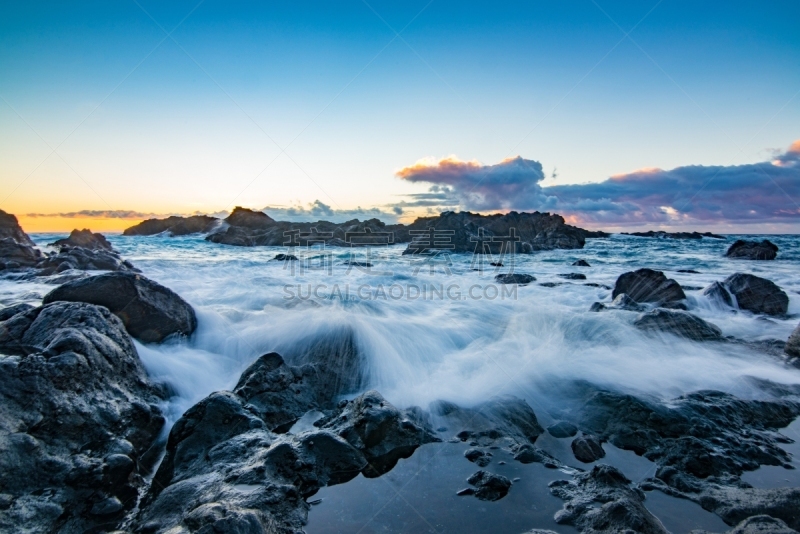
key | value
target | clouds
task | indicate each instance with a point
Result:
(760, 192)
(511, 184)
(318, 210)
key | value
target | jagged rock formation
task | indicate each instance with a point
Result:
(84, 239)
(174, 226)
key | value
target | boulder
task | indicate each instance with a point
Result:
(10, 229)
(514, 278)
(602, 500)
(14, 255)
(792, 344)
(756, 294)
(490, 486)
(79, 420)
(587, 449)
(718, 293)
(84, 239)
(479, 457)
(752, 250)
(83, 259)
(174, 226)
(678, 322)
(581, 263)
(647, 285)
(149, 311)
(10, 311)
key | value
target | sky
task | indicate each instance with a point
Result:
(618, 115)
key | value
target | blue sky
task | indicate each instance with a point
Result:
(302, 104)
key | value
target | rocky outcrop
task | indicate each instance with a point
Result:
(84, 239)
(660, 234)
(793, 343)
(602, 500)
(752, 250)
(83, 259)
(77, 419)
(756, 294)
(174, 226)
(514, 278)
(679, 323)
(718, 294)
(647, 285)
(471, 232)
(489, 486)
(10, 311)
(10, 229)
(14, 255)
(149, 311)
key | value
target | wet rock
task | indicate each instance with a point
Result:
(762, 524)
(478, 457)
(174, 226)
(552, 284)
(792, 344)
(514, 278)
(84, 239)
(660, 234)
(381, 432)
(353, 263)
(14, 255)
(581, 263)
(496, 263)
(647, 285)
(502, 420)
(285, 257)
(10, 229)
(752, 250)
(679, 323)
(718, 293)
(597, 307)
(602, 500)
(11, 311)
(757, 295)
(83, 259)
(620, 302)
(528, 454)
(587, 449)
(562, 429)
(490, 486)
(149, 311)
(688, 271)
(78, 418)
(573, 276)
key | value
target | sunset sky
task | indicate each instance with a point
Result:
(615, 114)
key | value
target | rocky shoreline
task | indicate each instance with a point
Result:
(84, 445)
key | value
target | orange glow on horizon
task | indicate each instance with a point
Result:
(67, 224)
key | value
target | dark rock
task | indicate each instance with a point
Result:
(647, 285)
(11, 311)
(528, 454)
(10, 229)
(149, 311)
(792, 344)
(736, 504)
(660, 234)
(285, 257)
(762, 524)
(491, 487)
(77, 418)
(678, 322)
(496, 263)
(478, 457)
(602, 500)
(597, 307)
(514, 278)
(581, 263)
(14, 255)
(752, 250)
(688, 271)
(502, 419)
(757, 295)
(562, 429)
(718, 294)
(84, 239)
(573, 276)
(552, 284)
(353, 263)
(620, 302)
(174, 226)
(465, 491)
(83, 259)
(587, 449)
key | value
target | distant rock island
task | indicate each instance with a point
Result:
(456, 232)
(660, 234)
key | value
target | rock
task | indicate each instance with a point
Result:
(792, 344)
(149, 311)
(11, 311)
(573, 276)
(735, 505)
(514, 278)
(620, 302)
(285, 257)
(14, 255)
(660, 234)
(602, 500)
(757, 295)
(10, 229)
(762, 524)
(597, 307)
(491, 487)
(496, 263)
(718, 293)
(587, 449)
(581, 263)
(78, 420)
(552, 284)
(478, 457)
(83, 259)
(688, 271)
(752, 250)
(562, 429)
(647, 285)
(505, 419)
(380, 431)
(174, 226)
(528, 454)
(353, 263)
(678, 322)
(84, 239)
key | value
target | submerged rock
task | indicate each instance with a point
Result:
(77, 419)
(678, 322)
(84, 239)
(647, 285)
(792, 344)
(581, 263)
(620, 302)
(718, 293)
(505, 419)
(491, 487)
(514, 278)
(661, 234)
(756, 294)
(149, 311)
(753, 250)
(602, 500)
(285, 257)
(573, 276)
